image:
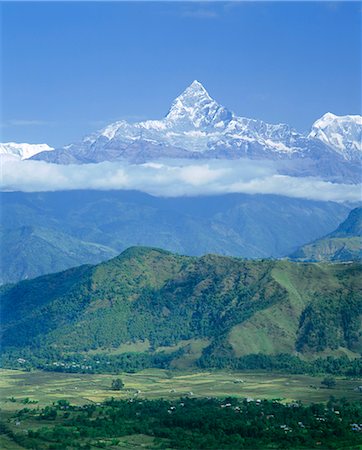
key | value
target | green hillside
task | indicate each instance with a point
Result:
(343, 244)
(186, 310)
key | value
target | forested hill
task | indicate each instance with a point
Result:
(154, 302)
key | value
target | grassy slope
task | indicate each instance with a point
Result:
(274, 330)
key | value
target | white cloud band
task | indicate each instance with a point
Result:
(172, 179)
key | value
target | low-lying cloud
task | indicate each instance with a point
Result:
(172, 179)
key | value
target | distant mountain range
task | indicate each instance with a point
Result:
(51, 231)
(22, 151)
(28, 251)
(343, 244)
(197, 127)
(215, 308)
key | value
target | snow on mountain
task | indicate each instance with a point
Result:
(342, 133)
(195, 123)
(22, 151)
(196, 126)
(193, 120)
(195, 109)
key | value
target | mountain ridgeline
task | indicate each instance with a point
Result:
(343, 244)
(51, 231)
(154, 305)
(29, 251)
(198, 127)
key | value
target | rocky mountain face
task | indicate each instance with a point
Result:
(196, 126)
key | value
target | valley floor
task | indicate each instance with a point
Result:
(37, 389)
(47, 387)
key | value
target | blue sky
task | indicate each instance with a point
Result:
(70, 68)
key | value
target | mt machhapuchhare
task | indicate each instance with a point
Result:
(151, 308)
(197, 127)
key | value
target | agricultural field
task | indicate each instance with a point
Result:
(47, 387)
(33, 391)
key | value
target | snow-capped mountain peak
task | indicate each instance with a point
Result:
(22, 150)
(193, 117)
(195, 108)
(342, 133)
(193, 94)
(197, 126)
(196, 89)
(197, 123)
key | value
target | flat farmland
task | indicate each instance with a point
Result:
(38, 388)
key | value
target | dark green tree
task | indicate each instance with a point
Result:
(328, 382)
(117, 384)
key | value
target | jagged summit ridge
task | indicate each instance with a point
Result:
(195, 108)
(194, 91)
(197, 126)
(196, 123)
